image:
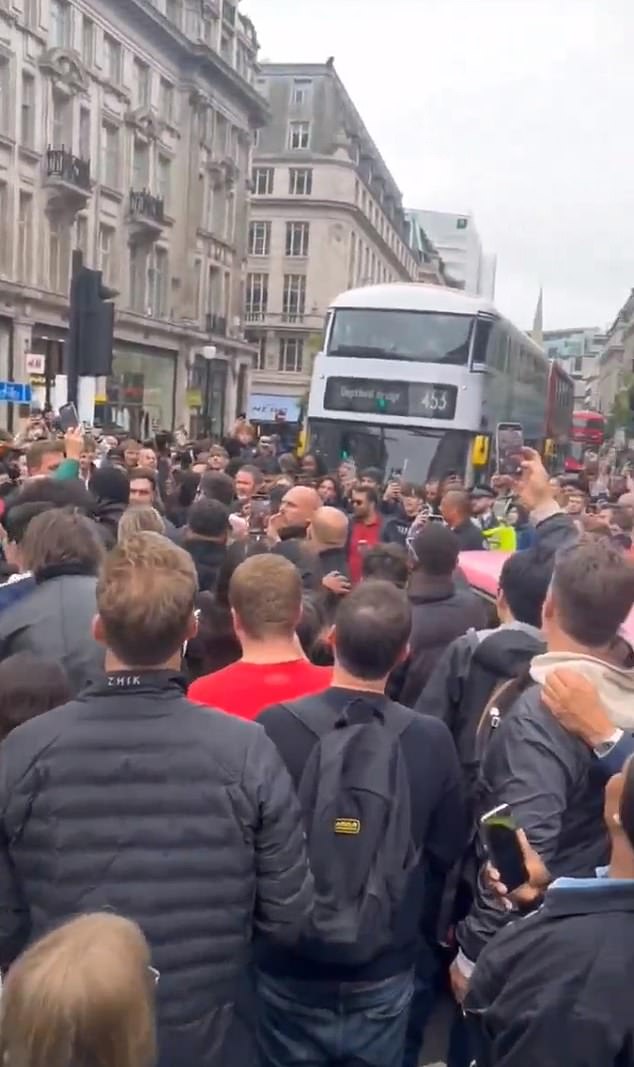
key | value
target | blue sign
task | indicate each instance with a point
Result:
(15, 392)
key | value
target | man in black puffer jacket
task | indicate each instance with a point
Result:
(133, 799)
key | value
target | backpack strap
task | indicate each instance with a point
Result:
(310, 712)
(497, 707)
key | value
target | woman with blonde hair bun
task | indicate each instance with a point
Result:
(82, 996)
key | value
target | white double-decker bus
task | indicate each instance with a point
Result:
(411, 375)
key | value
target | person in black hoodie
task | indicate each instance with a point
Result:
(441, 610)
(475, 664)
(110, 487)
(398, 525)
(205, 539)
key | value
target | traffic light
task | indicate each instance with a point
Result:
(89, 348)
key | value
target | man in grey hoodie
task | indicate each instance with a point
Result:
(531, 763)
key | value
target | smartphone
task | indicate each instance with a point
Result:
(509, 439)
(499, 833)
(68, 417)
(259, 515)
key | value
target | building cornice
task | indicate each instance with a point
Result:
(196, 56)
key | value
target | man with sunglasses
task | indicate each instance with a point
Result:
(366, 528)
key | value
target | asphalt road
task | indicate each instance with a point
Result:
(435, 1045)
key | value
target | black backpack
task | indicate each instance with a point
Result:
(355, 798)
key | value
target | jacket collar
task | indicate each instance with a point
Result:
(425, 589)
(133, 683)
(60, 570)
(582, 896)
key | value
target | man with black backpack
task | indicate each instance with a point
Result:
(382, 799)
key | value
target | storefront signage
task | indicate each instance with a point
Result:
(35, 363)
(15, 393)
(265, 407)
(414, 399)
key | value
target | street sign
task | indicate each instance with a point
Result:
(15, 392)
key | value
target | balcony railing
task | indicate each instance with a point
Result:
(62, 164)
(216, 324)
(143, 204)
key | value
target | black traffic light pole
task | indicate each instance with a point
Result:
(71, 350)
(89, 349)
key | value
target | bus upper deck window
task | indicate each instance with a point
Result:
(481, 340)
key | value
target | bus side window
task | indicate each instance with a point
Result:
(481, 353)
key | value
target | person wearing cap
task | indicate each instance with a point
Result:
(482, 498)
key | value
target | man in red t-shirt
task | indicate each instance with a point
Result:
(266, 603)
(365, 529)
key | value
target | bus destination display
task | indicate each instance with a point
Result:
(364, 395)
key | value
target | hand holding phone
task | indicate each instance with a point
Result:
(509, 444)
(505, 852)
(68, 417)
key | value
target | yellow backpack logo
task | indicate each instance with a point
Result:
(347, 826)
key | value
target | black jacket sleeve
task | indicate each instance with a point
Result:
(547, 1001)
(554, 533)
(14, 913)
(442, 696)
(529, 769)
(284, 883)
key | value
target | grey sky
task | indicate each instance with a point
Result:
(517, 110)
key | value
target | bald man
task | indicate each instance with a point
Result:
(298, 508)
(455, 508)
(328, 537)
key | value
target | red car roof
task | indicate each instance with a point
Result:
(482, 571)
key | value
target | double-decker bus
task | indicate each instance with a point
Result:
(588, 428)
(561, 401)
(415, 378)
(587, 435)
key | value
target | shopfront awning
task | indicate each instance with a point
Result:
(263, 407)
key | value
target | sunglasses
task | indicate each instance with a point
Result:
(358, 503)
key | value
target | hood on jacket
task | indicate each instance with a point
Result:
(508, 650)
(615, 685)
(423, 589)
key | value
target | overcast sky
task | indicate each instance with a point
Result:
(519, 111)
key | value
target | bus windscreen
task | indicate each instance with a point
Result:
(420, 336)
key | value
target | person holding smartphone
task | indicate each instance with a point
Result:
(550, 989)
(535, 766)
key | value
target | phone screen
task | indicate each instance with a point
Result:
(499, 832)
(259, 515)
(68, 417)
(509, 445)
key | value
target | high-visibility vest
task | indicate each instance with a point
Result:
(501, 538)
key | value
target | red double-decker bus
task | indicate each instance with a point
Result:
(559, 405)
(588, 428)
(588, 434)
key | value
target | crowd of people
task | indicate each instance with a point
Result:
(252, 715)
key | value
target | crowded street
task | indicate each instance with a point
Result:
(316, 534)
(317, 740)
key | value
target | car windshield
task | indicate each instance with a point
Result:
(421, 336)
(419, 454)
